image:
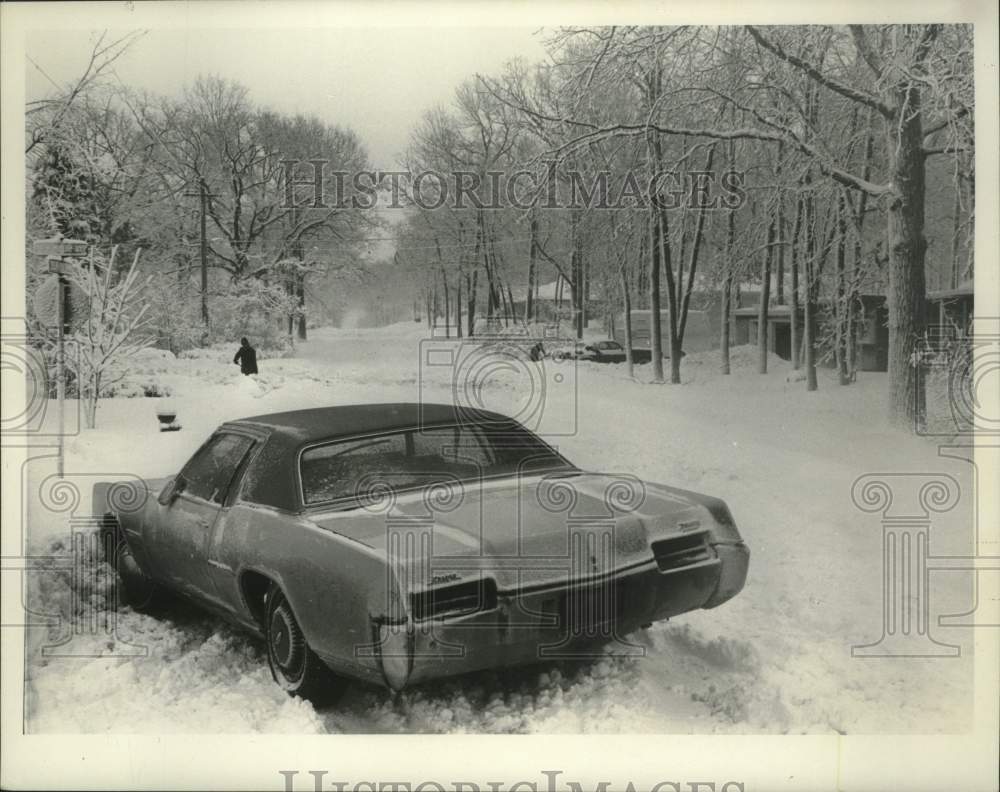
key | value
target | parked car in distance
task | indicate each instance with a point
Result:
(566, 350)
(398, 543)
(604, 352)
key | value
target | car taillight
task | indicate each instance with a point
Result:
(461, 598)
(681, 550)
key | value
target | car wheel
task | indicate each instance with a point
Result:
(134, 588)
(294, 665)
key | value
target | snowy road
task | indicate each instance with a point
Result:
(775, 659)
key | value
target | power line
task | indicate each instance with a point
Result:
(334, 247)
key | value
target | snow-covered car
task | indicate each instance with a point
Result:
(604, 352)
(397, 543)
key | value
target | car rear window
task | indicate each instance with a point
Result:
(353, 469)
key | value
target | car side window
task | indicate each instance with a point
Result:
(210, 471)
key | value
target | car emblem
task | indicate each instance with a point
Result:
(690, 525)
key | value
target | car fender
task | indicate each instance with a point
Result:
(125, 507)
(335, 586)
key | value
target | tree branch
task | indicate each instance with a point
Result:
(817, 75)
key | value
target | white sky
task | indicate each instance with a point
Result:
(378, 81)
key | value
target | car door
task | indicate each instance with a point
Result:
(181, 540)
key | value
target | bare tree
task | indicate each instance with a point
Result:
(916, 78)
(112, 331)
(46, 116)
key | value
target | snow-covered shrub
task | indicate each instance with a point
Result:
(136, 388)
(153, 356)
(112, 330)
(253, 309)
(174, 314)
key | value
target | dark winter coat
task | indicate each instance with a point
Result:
(246, 356)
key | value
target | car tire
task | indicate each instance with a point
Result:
(133, 587)
(294, 665)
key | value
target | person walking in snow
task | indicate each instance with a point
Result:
(246, 356)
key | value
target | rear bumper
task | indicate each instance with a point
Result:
(735, 559)
(542, 624)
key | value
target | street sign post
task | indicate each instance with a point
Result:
(56, 251)
(59, 247)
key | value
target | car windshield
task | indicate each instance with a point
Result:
(361, 468)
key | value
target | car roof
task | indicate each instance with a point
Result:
(271, 479)
(331, 423)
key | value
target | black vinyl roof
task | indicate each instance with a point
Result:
(272, 478)
(331, 423)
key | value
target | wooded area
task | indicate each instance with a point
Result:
(810, 165)
(845, 137)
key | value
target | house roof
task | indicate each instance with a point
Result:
(548, 291)
(964, 289)
(773, 311)
(785, 309)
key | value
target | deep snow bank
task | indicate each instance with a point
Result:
(777, 658)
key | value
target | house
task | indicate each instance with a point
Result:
(554, 300)
(873, 337)
(698, 332)
(952, 308)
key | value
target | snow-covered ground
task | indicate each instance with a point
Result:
(777, 658)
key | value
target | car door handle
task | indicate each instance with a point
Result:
(203, 523)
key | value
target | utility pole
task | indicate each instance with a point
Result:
(56, 251)
(203, 195)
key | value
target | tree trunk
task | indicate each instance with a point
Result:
(655, 339)
(765, 299)
(724, 320)
(673, 339)
(843, 295)
(532, 253)
(627, 301)
(470, 318)
(685, 287)
(301, 291)
(907, 246)
(808, 333)
(779, 278)
(808, 339)
(447, 304)
(88, 397)
(851, 318)
(956, 227)
(793, 304)
(576, 274)
(970, 199)
(458, 306)
(727, 282)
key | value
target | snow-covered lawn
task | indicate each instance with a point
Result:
(777, 658)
